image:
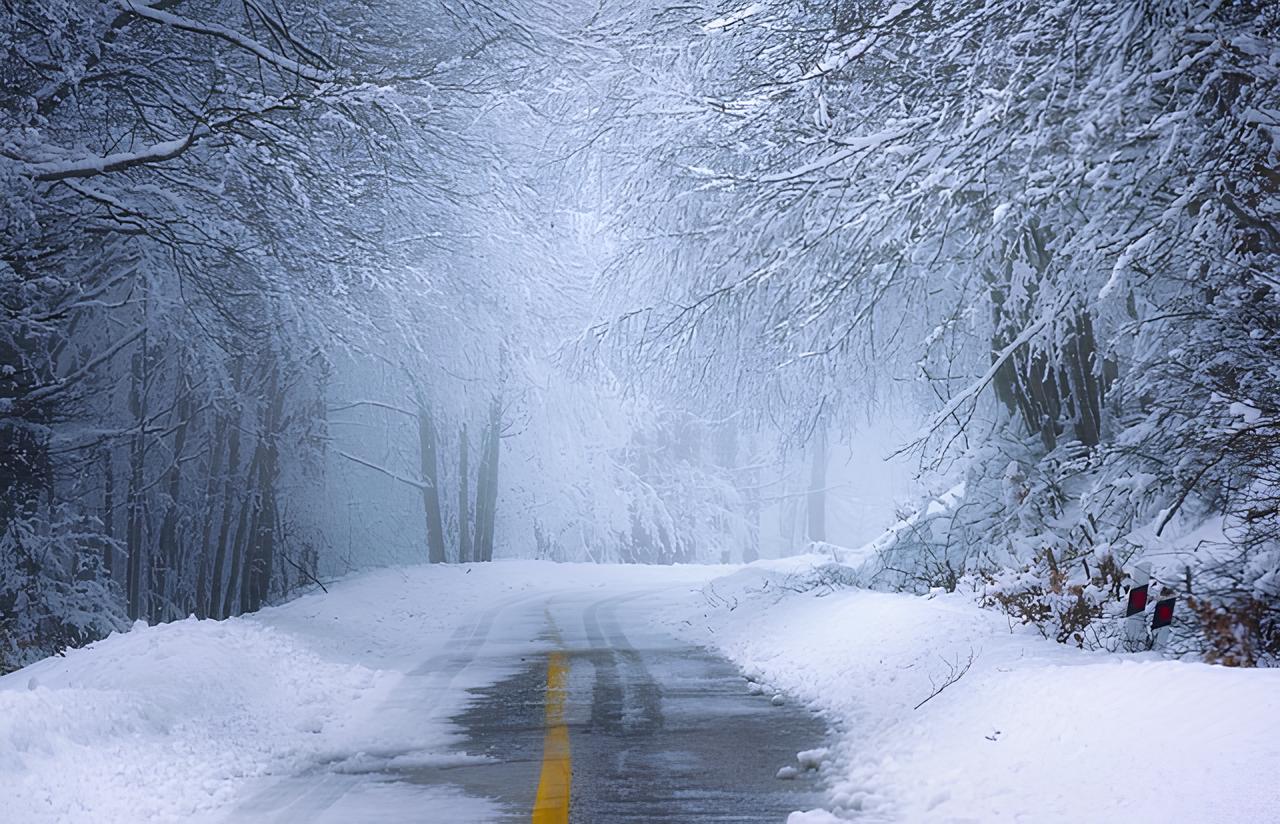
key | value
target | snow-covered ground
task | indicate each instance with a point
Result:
(1033, 731)
(185, 721)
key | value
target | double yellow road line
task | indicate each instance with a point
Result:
(551, 805)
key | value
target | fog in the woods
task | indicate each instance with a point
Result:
(293, 289)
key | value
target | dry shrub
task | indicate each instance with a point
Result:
(1241, 632)
(1064, 606)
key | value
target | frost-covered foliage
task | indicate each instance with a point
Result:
(632, 483)
(201, 203)
(281, 284)
(1054, 224)
(690, 507)
(54, 593)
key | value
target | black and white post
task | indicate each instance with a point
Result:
(1135, 629)
(1162, 620)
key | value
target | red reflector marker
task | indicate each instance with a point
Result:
(1164, 613)
(1137, 600)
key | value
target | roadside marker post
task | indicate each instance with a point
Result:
(1162, 619)
(1135, 613)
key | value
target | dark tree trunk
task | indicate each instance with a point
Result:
(1049, 396)
(482, 495)
(232, 603)
(164, 565)
(203, 573)
(427, 448)
(26, 472)
(108, 512)
(136, 507)
(1086, 389)
(219, 598)
(260, 559)
(1050, 389)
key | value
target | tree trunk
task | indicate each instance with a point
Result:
(1086, 389)
(817, 497)
(487, 484)
(233, 600)
(218, 597)
(1049, 395)
(26, 471)
(231, 422)
(427, 448)
(136, 509)
(203, 573)
(464, 505)
(1047, 389)
(108, 512)
(164, 567)
(260, 556)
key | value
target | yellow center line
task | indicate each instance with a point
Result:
(552, 803)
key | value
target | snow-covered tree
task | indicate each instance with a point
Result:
(1051, 222)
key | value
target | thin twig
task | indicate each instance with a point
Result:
(310, 577)
(954, 674)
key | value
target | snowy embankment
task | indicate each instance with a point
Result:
(1031, 731)
(162, 723)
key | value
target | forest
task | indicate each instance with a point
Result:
(292, 289)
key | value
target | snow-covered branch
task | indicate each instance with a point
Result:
(416, 484)
(54, 170)
(286, 64)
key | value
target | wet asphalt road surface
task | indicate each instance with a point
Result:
(659, 731)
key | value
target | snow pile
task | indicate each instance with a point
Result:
(159, 720)
(1023, 728)
(163, 723)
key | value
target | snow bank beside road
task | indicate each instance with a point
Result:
(157, 724)
(1034, 731)
(169, 722)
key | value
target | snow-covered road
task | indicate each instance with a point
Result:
(432, 694)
